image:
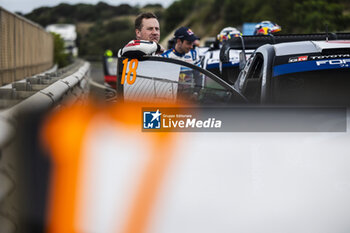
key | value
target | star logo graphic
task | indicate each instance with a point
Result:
(156, 115)
(151, 119)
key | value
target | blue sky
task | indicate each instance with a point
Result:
(25, 6)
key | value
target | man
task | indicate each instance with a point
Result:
(190, 81)
(147, 27)
(147, 32)
(183, 49)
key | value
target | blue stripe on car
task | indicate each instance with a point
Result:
(216, 65)
(307, 66)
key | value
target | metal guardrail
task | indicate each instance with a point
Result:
(105, 92)
(65, 83)
(45, 91)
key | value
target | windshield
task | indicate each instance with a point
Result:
(164, 82)
(321, 87)
(174, 81)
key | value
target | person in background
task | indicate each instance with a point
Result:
(225, 34)
(266, 28)
(184, 50)
(228, 33)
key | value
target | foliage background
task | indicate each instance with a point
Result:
(103, 26)
(60, 57)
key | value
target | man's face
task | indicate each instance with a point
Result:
(184, 47)
(149, 30)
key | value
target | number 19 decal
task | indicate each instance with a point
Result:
(132, 70)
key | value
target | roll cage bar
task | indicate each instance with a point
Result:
(253, 42)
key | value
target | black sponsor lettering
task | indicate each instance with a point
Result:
(293, 59)
(329, 56)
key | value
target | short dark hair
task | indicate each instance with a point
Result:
(140, 17)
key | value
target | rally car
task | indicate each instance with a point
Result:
(228, 65)
(168, 79)
(227, 70)
(298, 73)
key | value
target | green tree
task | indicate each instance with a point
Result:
(313, 15)
(59, 57)
(177, 12)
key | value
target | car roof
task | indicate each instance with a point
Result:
(304, 47)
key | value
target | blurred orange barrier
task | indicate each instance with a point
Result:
(66, 133)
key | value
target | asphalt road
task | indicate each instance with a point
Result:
(99, 91)
(97, 72)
